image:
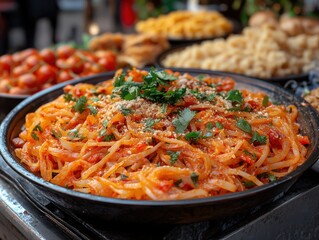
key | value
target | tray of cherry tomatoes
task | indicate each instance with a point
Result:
(29, 71)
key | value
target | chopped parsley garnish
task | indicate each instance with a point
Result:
(219, 125)
(209, 126)
(93, 110)
(149, 123)
(249, 184)
(252, 155)
(164, 108)
(193, 136)
(74, 134)
(178, 182)
(34, 136)
(174, 156)
(203, 96)
(123, 176)
(38, 128)
(95, 99)
(68, 97)
(149, 88)
(194, 178)
(56, 134)
(163, 75)
(265, 101)
(106, 137)
(181, 123)
(80, 105)
(125, 111)
(234, 96)
(271, 177)
(258, 139)
(105, 123)
(201, 77)
(243, 125)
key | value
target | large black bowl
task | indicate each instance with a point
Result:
(179, 211)
(275, 80)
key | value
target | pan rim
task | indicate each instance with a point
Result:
(26, 174)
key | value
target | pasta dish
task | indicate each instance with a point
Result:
(161, 135)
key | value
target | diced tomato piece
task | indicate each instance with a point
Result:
(140, 147)
(226, 85)
(254, 104)
(275, 138)
(186, 186)
(304, 140)
(166, 185)
(190, 100)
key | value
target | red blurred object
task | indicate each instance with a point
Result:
(128, 15)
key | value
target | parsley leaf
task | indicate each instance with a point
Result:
(105, 123)
(68, 97)
(80, 105)
(243, 125)
(149, 122)
(258, 139)
(174, 156)
(249, 184)
(93, 110)
(234, 96)
(219, 125)
(34, 136)
(209, 126)
(119, 80)
(252, 155)
(265, 101)
(125, 111)
(37, 128)
(106, 137)
(123, 176)
(74, 133)
(194, 178)
(193, 136)
(178, 182)
(163, 75)
(181, 123)
(271, 177)
(203, 96)
(164, 108)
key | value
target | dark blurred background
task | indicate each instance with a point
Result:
(42, 23)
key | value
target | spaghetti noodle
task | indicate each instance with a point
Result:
(161, 135)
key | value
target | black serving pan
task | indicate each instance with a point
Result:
(146, 211)
(280, 81)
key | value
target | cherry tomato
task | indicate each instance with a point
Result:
(28, 52)
(46, 85)
(90, 56)
(275, 138)
(108, 62)
(45, 74)
(32, 61)
(18, 91)
(63, 76)
(48, 56)
(4, 86)
(62, 64)
(6, 63)
(65, 52)
(27, 80)
(20, 70)
(76, 64)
